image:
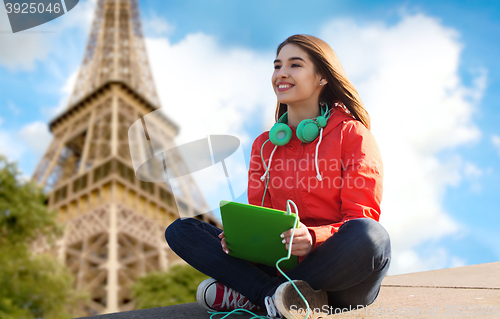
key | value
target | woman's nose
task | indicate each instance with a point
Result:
(282, 74)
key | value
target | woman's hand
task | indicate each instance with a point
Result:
(302, 241)
(223, 243)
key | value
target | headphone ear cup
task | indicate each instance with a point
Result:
(280, 134)
(299, 129)
(307, 131)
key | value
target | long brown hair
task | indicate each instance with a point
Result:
(338, 88)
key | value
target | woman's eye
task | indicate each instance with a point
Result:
(277, 67)
(295, 65)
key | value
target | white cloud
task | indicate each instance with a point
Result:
(80, 17)
(207, 88)
(495, 140)
(30, 141)
(210, 89)
(472, 171)
(21, 50)
(157, 26)
(456, 262)
(407, 75)
(411, 261)
(9, 147)
(66, 91)
(52, 45)
(36, 137)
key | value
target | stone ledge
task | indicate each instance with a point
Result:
(443, 293)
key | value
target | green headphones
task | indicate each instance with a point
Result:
(307, 130)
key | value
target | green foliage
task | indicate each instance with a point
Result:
(159, 289)
(30, 286)
(23, 214)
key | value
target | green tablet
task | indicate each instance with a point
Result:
(253, 233)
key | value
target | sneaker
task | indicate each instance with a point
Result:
(214, 296)
(272, 310)
(289, 303)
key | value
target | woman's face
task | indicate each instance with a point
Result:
(295, 80)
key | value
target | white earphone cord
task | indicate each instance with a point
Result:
(269, 166)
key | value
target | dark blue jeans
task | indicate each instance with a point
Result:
(350, 265)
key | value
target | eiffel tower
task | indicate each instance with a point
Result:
(114, 222)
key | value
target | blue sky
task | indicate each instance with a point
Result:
(427, 72)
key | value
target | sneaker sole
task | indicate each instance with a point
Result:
(291, 305)
(200, 293)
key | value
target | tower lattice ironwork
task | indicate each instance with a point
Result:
(114, 223)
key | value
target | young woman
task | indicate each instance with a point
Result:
(324, 158)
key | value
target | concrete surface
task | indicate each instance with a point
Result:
(462, 292)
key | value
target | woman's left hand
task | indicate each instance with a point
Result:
(302, 241)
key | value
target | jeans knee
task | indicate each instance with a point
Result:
(373, 235)
(172, 233)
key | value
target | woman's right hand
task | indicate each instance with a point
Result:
(223, 243)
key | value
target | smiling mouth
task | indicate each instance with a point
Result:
(284, 87)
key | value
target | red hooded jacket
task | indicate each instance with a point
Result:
(349, 162)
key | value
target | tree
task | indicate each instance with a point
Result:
(30, 286)
(158, 289)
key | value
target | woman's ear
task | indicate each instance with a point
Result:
(322, 80)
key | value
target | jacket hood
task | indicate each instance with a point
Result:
(335, 119)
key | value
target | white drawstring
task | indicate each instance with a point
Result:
(269, 165)
(318, 176)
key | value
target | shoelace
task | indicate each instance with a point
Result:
(250, 305)
(235, 302)
(272, 310)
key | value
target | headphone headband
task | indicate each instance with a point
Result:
(307, 130)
